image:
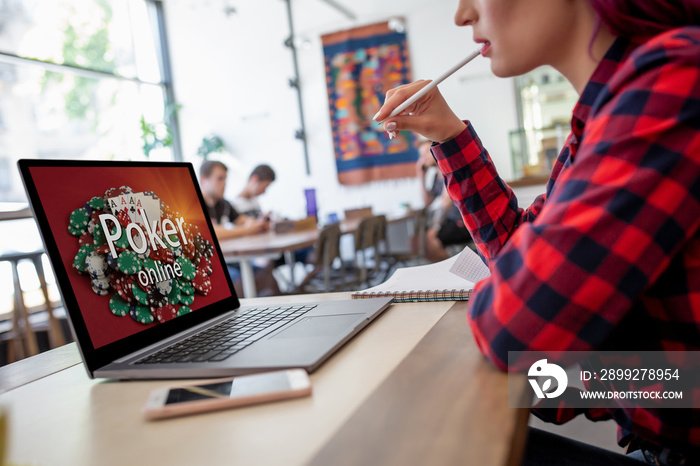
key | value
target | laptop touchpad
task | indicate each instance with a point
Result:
(320, 326)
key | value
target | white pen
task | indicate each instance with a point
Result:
(434, 83)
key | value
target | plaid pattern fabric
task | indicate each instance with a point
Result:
(609, 257)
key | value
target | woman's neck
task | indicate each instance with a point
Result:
(586, 48)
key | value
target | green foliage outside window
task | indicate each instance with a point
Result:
(87, 51)
(210, 145)
(159, 134)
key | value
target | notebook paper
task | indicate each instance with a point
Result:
(470, 266)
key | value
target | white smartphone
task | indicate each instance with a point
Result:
(226, 393)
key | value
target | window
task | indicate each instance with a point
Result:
(545, 100)
(82, 79)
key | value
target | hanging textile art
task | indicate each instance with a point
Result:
(362, 64)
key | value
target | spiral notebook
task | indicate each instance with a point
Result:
(450, 280)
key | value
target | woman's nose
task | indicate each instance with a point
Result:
(466, 13)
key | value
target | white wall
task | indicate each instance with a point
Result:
(231, 78)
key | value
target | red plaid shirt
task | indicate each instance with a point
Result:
(609, 257)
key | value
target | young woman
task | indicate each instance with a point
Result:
(609, 257)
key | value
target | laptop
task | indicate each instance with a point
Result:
(145, 285)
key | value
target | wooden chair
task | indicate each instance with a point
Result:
(358, 213)
(290, 257)
(394, 259)
(286, 226)
(306, 224)
(370, 232)
(323, 278)
(22, 341)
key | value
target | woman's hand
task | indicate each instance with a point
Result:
(430, 116)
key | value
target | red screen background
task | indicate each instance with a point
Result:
(64, 189)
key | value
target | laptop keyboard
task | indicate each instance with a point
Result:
(228, 337)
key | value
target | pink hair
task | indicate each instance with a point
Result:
(645, 18)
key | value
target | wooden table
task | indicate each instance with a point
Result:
(271, 245)
(410, 389)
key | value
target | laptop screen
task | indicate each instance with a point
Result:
(134, 243)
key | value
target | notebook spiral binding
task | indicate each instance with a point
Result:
(416, 295)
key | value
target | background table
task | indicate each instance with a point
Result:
(245, 249)
(267, 245)
(411, 388)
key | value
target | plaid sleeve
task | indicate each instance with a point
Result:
(615, 218)
(487, 204)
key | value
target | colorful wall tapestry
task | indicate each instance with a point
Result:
(362, 64)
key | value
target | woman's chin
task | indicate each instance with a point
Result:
(505, 70)
(501, 71)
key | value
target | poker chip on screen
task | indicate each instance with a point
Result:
(122, 244)
(165, 287)
(187, 267)
(174, 294)
(102, 249)
(123, 285)
(96, 264)
(140, 295)
(141, 314)
(202, 283)
(183, 310)
(156, 299)
(91, 228)
(118, 306)
(143, 255)
(97, 203)
(185, 287)
(165, 313)
(187, 299)
(98, 235)
(79, 219)
(101, 283)
(99, 291)
(79, 261)
(128, 262)
(167, 256)
(85, 238)
(119, 278)
(111, 261)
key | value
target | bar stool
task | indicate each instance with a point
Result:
(22, 341)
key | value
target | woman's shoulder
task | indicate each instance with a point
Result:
(680, 45)
(668, 63)
(685, 36)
